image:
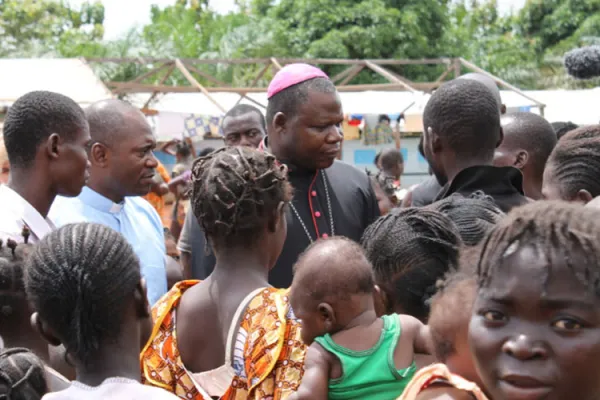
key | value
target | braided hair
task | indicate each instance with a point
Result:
(235, 191)
(411, 249)
(22, 375)
(474, 216)
(80, 279)
(12, 288)
(564, 234)
(574, 163)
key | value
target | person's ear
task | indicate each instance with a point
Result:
(99, 154)
(278, 218)
(279, 123)
(521, 159)
(53, 146)
(140, 294)
(436, 142)
(328, 316)
(380, 301)
(44, 330)
(503, 109)
(500, 137)
(584, 196)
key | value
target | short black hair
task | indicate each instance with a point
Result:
(532, 133)
(13, 301)
(465, 113)
(575, 161)
(390, 158)
(22, 375)
(33, 118)
(106, 119)
(562, 128)
(474, 216)
(234, 191)
(340, 272)
(383, 117)
(243, 109)
(290, 99)
(410, 249)
(80, 279)
(565, 234)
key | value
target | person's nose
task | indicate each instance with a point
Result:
(524, 347)
(334, 135)
(152, 161)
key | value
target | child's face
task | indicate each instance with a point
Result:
(535, 332)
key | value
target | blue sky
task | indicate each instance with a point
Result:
(121, 15)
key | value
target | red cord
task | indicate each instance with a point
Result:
(312, 213)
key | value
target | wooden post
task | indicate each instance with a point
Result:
(500, 82)
(352, 75)
(343, 74)
(162, 81)
(386, 74)
(457, 67)
(153, 71)
(276, 63)
(254, 82)
(197, 84)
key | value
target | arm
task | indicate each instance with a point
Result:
(185, 245)
(419, 333)
(190, 142)
(167, 147)
(315, 383)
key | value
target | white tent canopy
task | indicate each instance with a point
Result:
(68, 76)
(578, 106)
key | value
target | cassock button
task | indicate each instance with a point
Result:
(325, 236)
(313, 193)
(317, 214)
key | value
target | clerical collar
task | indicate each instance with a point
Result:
(99, 202)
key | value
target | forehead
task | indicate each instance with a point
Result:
(241, 123)
(321, 106)
(529, 274)
(136, 130)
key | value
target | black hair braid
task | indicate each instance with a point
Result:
(474, 216)
(411, 249)
(561, 233)
(575, 162)
(234, 191)
(79, 279)
(12, 260)
(22, 374)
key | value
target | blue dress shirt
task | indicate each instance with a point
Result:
(134, 218)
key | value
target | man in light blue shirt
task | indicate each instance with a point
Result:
(122, 169)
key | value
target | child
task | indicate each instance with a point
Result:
(535, 329)
(85, 286)
(353, 354)
(22, 375)
(384, 192)
(474, 216)
(410, 250)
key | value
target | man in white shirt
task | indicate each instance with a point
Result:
(46, 136)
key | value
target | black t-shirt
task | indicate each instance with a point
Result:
(353, 207)
(426, 193)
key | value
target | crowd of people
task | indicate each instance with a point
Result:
(286, 273)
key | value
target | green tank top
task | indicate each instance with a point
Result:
(370, 374)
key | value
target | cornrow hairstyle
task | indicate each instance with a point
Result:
(564, 234)
(451, 309)
(80, 279)
(410, 249)
(290, 99)
(243, 109)
(22, 375)
(13, 301)
(562, 128)
(465, 113)
(474, 216)
(234, 193)
(574, 164)
(333, 269)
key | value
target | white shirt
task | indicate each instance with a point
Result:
(111, 388)
(16, 212)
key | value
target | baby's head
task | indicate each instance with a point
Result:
(22, 375)
(535, 328)
(451, 310)
(333, 283)
(410, 250)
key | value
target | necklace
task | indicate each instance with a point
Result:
(308, 235)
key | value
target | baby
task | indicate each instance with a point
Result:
(353, 353)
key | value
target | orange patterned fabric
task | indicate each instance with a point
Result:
(158, 202)
(273, 351)
(439, 373)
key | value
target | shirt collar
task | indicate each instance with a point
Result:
(491, 180)
(38, 225)
(99, 202)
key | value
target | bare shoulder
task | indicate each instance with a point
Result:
(317, 355)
